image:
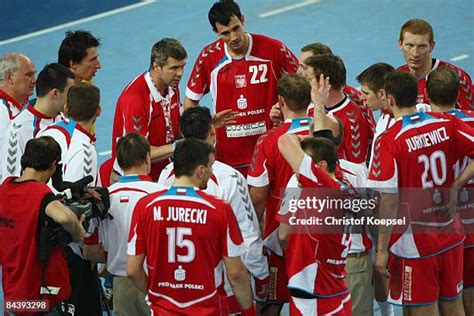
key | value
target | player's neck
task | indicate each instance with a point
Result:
(423, 71)
(86, 125)
(335, 97)
(288, 115)
(44, 106)
(139, 170)
(185, 182)
(32, 174)
(441, 109)
(403, 111)
(241, 52)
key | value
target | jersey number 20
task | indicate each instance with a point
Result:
(431, 165)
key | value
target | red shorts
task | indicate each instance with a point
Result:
(334, 306)
(469, 267)
(423, 281)
(278, 287)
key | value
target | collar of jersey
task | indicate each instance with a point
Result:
(247, 54)
(134, 178)
(37, 113)
(8, 98)
(189, 191)
(157, 97)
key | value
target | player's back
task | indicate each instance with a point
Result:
(187, 235)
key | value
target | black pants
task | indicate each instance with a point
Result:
(85, 286)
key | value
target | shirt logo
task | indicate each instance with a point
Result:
(242, 102)
(240, 81)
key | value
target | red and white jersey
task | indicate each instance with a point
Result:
(358, 133)
(184, 233)
(417, 152)
(465, 99)
(142, 109)
(9, 108)
(465, 199)
(247, 86)
(269, 168)
(228, 184)
(22, 128)
(114, 232)
(356, 97)
(78, 152)
(316, 261)
(357, 175)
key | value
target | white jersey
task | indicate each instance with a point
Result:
(113, 233)
(25, 126)
(8, 110)
(229, 185)
(79, 155)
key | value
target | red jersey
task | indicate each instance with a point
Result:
(247, 86)
(466, 200)
(465, 101)
(184, 233)
(417, 152)
(142, 109)
(269, 168)
(20, 204)
(316, 261)
(358, 133)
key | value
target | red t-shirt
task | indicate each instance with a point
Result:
(315, 260)
(142, 109)
(247, 85)
(185, 233)
(465, 99)
(269, 168)
(419, 152)
(20, 204)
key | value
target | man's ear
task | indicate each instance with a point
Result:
(98, 111)
(381, 94)
(66, 109)
(54, 92)
(323, 164)
(242, 19)
(281, 101)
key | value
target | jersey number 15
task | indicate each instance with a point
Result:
(176, 238)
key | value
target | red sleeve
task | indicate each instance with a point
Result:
(92, 239)
(136, 237)
(136, 114)
(464, 138)
(357, 136)
(465, 100)
(232, 247)
(287, 61)
(383, 173)
(198, 84)
(310, 175)
(260, 173)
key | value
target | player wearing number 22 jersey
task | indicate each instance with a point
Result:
(247, 86)
(185, 234)
(419, 151)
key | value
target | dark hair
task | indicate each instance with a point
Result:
(330, 66)
(166, 47)
(417, 27)
(74, 47)
(321, 149)
(53, 76)
(296, 90)
(443, 86)
(40, 153)
(374, 76)
(317, 49)
(82, 102)
(132, 150)
(222, 11)
(196, 123)
(403, 87)
(189, 154)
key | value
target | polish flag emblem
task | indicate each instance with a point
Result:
(124, 199)
(181, 191)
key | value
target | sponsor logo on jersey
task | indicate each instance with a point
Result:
(242, 103)
(407, 283)
(240, 81)
(244, 130)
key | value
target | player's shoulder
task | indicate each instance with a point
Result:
(264, 40)
(212, 52)
(462, 73)
(403, 68)
(216, 202)
(136, 87)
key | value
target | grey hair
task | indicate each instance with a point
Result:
(10, 62)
